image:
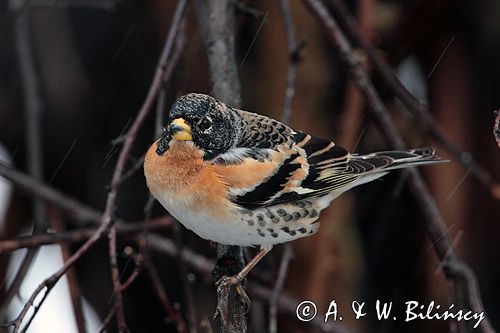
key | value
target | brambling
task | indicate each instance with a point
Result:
(240, 178)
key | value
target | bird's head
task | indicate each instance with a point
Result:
(203, 120)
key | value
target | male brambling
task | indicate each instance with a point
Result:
(240, 178)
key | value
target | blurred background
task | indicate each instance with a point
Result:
(93, 63)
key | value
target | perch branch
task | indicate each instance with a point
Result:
(202, 265)
(454, 269)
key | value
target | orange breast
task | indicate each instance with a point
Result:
(181, 175)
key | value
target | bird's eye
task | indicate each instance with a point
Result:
(205, 124)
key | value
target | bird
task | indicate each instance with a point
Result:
(240, 178)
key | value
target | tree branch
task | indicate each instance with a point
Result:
(454, 269)
(287, 303)
(295, 56)
(80, 235)
(81, 212)
(108, 218)
(413, 104)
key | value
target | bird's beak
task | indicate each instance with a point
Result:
(180, 130)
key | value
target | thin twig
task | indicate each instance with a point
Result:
(80, 235)
(264, 19)
(74, 290)
(138, 259)
(137, 166)
(191, 307)
(49, 194)
(186, 288)
(160, 106)
(111, 312)
(294, 57)
(436, 227)
(242, 7)
(278, 287)
(108, 215)
(162, 295)
(413, 104)
(107, 319)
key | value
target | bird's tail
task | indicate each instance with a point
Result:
(409, 158)
(375, 165)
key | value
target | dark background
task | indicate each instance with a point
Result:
(95, 65)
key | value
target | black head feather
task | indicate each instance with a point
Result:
(214, 127)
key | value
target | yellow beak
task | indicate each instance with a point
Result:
(180, 130)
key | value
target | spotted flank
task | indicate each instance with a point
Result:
(284, 222)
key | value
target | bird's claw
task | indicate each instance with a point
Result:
(228, 281)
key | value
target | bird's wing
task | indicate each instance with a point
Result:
(275, 164)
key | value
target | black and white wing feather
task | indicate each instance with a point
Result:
(308, 166)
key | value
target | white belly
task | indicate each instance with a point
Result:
(229, 231)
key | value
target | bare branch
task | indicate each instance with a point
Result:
(81, 235)
(436, 227)
(108, 216)
(108, 219)
(295, 56)
(74, 289)
(38, 189)
(278, 287)
(107, 319)
(413, 104)
(173, 314)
